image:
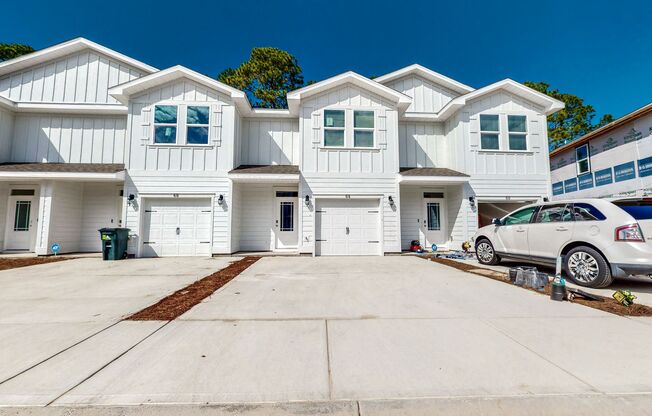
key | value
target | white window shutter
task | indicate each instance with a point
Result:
(145, 115)
(216, 124)
(316, 127)
(381, 128)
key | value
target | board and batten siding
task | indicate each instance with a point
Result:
(6, 134)
(82, 77)
(380, 187)
(218, 155)
(422, 145)
(269, 142)
(427, 97)
(500, 172)
(70, 139)
(317, 159)
(65, 213)
(101, 207)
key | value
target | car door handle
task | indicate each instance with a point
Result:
(520, 230)
(561, 228)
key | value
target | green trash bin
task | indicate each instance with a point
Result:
(114, 243)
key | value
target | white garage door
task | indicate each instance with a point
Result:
(348, 227)
(177, 227)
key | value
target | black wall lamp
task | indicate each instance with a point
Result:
(130, 199)
(391, 201)
(472, 201)
(307, 200)
(220, 199)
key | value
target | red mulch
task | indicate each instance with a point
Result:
(14, 262)
(607, 305)
(176, 304)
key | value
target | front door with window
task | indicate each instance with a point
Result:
(434, 221)
(285, 225)
(21, 220)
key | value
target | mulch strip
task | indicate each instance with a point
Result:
(7, 263)
(607, 304)
(181, 301)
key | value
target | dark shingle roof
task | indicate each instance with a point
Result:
(269, 169)
(63, 167)
(431, 172)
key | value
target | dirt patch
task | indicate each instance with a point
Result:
(181, 301)
(7, 263)
(607, 304)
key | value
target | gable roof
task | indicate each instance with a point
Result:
(350, 77)
(122, 92)
(639, 112)
(428, 74)
(67, 48)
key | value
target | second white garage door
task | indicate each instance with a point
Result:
(177, 227)
(347, 227)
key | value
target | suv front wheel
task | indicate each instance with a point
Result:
(587, 267)
(485, 253)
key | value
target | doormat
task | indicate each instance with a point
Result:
(181, 301)
(605, 304)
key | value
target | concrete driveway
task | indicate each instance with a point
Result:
(353, 333)
(48, 308)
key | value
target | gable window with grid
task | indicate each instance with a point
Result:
(334, 128)
(181, 124)
(197, 118)
(165, 124)
(363, 129)
(517, 132)
(489, 132)
(582, 159)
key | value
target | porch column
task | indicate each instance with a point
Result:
(43, 220)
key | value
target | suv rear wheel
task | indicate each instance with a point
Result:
(587, 267)
(485, 253)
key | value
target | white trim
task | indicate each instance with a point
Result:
(67, 48)
(270, 113)
(433, 179)
(65, 108)
(72, 176)
(264, 177)
(294, 97)
(429, 75)
(7, 103)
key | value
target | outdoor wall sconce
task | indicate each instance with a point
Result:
(472, 201)
(391, 201)
(307, 200)
(130, 199)
(546, 199)
(220, 199)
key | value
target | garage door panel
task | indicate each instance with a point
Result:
(360, 216)
(177, 227)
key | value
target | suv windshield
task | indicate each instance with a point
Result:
(640, 209)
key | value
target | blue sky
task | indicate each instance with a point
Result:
(600, 50)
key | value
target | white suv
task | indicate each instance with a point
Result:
(598, 239)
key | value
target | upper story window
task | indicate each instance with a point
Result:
(582, 159)
(489, 132)
(363, 129)
(165, 124)
(517, 130)
(197, 124)
(334, 128)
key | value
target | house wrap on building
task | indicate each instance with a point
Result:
(92, 138)
(612, 161)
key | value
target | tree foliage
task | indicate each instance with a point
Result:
(266, 77)
(574, 121)
(13, 50)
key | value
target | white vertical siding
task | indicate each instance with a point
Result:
(422, 145)
(218, 155)
(257, 217)
(83, 77)
(101, 207)
(6, 134)
(269, 142)
(4, 196)
(236, 216)
(383, 159)
(66, 211)
(427, 96)
(57, 138)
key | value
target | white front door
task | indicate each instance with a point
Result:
(348, 227)
(22, 214)
(285, 225)
(177, 227)
(434, 222)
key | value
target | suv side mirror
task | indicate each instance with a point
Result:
(496, 221)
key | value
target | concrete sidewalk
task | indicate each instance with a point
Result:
(372, 336)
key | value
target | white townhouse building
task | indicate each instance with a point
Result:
(92, 138)
(612, 161)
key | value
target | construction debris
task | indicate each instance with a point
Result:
(575, 293)
(624, 297)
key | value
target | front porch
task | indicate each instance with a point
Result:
(58, 203)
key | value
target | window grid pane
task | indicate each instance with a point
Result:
(363, 138)
(516, 124)
(489, 141)
(433, 216)
(197, 135)
(165, 114)
(334, 118)
(489, 122)
(517, 142)
(287, 216)
(21, 219)
(334, 138)
(197, 115)
(363, 119)
(165, 134)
